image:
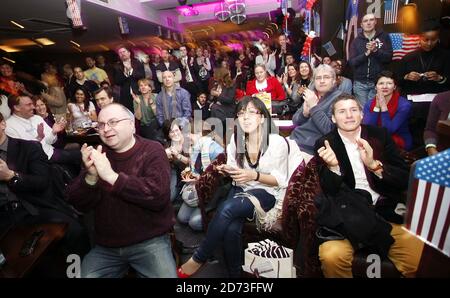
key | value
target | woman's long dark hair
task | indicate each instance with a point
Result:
(240, 137)
(86, 98)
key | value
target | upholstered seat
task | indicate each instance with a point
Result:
(297, 226)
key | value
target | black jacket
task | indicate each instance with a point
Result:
(35, 185)
(395, 170)
(126, 82)
(368, 67)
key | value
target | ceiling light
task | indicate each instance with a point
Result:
(74, 43)
(238, 18)
(45, 41)
(221, 12)
(17, 24)
(7, 59)
(9, 49)
(187, 10)
(77, 49)
(236, 6)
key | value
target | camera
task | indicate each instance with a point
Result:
(378, 43)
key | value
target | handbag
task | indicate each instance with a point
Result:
(189, 194)
(269, 259)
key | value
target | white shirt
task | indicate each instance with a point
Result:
(261, 86)
(358, 167)
(272, 162)
(187, 70)
(26, 129)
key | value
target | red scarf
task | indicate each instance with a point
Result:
(392, 106)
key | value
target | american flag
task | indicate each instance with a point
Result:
(403, 44)
(390, 11)
(73, 7)
(428, 216)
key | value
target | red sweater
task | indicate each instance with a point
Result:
(137, 207)
(273, 87)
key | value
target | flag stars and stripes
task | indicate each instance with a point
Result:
(429, 205)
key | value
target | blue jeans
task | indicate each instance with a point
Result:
(226, 226)
(174, 187)
(364, 91)
(191, 216)
(150, 258)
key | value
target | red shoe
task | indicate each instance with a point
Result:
(181, 274)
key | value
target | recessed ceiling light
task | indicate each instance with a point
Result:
(7, 59)
(74, 43)
(45, 41)
(17, 24)
(9, 49)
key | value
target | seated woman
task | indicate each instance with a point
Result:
(42, 109)
(291, 86)
(388, 109)
(222, 95)
(81, 109)
(257, 163)
(264, 86)
(204, 150)
(176, 153)
(145, 111)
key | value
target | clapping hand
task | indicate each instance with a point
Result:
(87, 161)
(310, 98)
(365, 152)
(40, 131)
(5, 172)
(59, 125)
(103, 166)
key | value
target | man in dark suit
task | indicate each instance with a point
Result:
(27, 195)
(364, 157)
(127, 72)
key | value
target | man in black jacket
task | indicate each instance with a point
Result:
(370, 53)
(364, 157)
(27, 195)
(127, 72)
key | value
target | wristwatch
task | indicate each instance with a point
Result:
(13, 181)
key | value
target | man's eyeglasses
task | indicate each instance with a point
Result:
(248, 112)
(111, 123)
(319, 78)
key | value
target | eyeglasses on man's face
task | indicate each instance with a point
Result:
(249, 112)
(111, 123)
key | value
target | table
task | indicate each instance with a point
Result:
(18, 266)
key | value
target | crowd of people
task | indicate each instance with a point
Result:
(163, 119)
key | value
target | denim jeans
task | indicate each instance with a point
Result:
(150, 258)
(174, 187)
(364, 91)
(227, 225)
(191, 216)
